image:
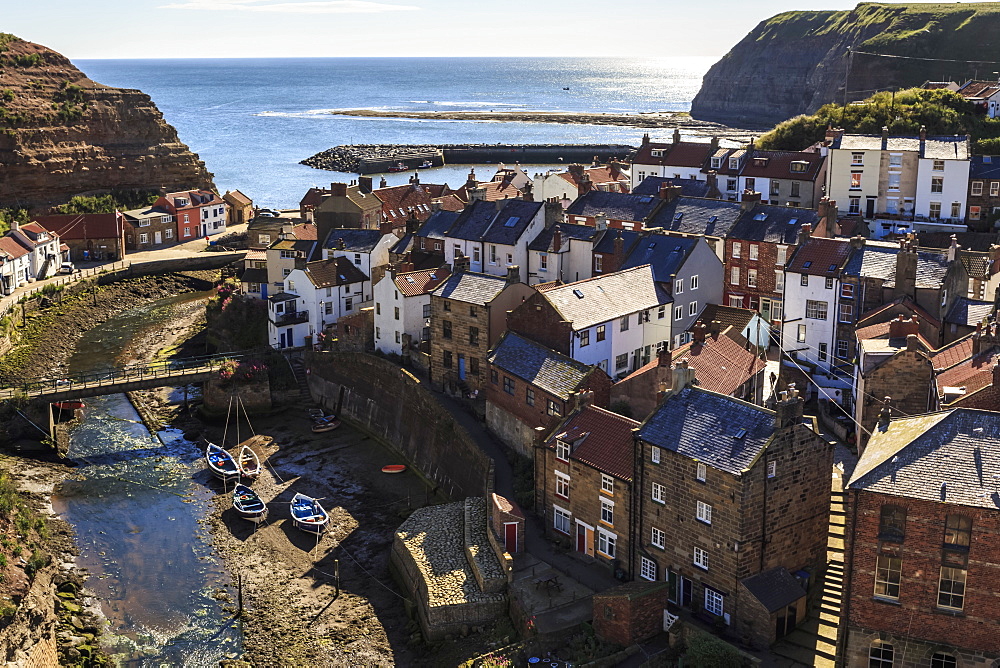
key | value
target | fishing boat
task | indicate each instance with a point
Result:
(398, 167)
(394, 468)
(307, 514)
(221, 462)
(248, 504)
(426, 164)
(69, 405)
(326, 424)
(249, 463)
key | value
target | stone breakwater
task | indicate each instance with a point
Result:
(378, 158)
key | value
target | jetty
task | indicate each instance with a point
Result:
(380, 158)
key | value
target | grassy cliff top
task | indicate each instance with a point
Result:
(6, 38)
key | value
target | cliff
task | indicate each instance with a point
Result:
(62, 134)
(795, 62)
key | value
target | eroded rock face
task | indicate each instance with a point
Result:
(795, 62)
(62, 134)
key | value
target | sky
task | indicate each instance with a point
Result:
(82, 29)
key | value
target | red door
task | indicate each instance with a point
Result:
(510, 537)
(581, 538)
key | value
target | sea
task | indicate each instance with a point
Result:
(253, 120)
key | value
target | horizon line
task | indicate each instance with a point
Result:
(631, 58)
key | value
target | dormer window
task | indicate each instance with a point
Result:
(799, 166)
(716, 163)
(562, 450)
(657, 153)
(734, 163)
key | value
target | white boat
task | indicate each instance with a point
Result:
(248, 462)
(221, 462)
(248, 504)
(308, 515)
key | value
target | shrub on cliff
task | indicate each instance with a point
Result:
(942, 112)
(119, 200)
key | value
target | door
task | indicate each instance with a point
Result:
(158, 237)
(461, 367)
(289, 338)
(674, 594)
(510, 537)
(870, 208)
(765, 309)
(581, 538)
(281, 340)
(687, 591)
(785, 622)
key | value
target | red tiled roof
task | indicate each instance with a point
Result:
(36, 228)
(601, 176)
(413, 283)
(452, 202)
(494, 190)
(875, 331)
(979, 89)
(397, 201)
(721, 365)
(305, 232)
(212, 198)
(641, 370)
(952, 354)
(820, 257)
(972, 374)
(507, 506)
(10, 247)
(83, 226)
(238, 197)
(608, 443)
(906, 301)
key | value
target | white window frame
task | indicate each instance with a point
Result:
(700, 558)
(562, 450)
(658, 538)
(754, 251)
(693, 282)
(715, 603)
(678, 286)
(702, 472)
(659, 493)
(647, 569)
(654, 454)
(737, 250)
(608, 512)
(772, 469)
(751, 278)
(607, 484)
(693, 308)
(679, 312)
(561, 513)
(607, 543)
(562, 485)
(703, 512)
(734, 275)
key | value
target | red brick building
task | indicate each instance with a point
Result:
(89, 236)
(631, 612)
(923, 544)
(534, 387)
(197, 213)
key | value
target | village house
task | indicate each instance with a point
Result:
(922, 548)
(564, 186)
(149, 228)
(675, 160)
(985, 95)
(43, 246)
(902, 183)
(403, 307)
(583, 487)
(343, 206)
(197, 213)
(532, 388)
(253, 274)
(293, 246)
(239, 208)
(15, 265)
(783, 178)
(617, 210)
(984, 192)
(468, 316)
(562, 252)
(316, 295)
(502, 186)
(746, 323)
(367, 249)
(89, 236)
(267, 225)
(600, 321)
(732, 508)
(654, 186)
(692, 216)
(413, 201)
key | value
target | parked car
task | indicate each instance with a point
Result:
(67, 268)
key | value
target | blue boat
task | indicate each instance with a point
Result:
(248, 504)
(221, 463)
(308, 515)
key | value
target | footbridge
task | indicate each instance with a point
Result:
(142, 376)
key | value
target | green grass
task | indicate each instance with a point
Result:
(6, 39)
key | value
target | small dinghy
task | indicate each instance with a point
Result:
(326, 424)
(221, 462)
(69, 405)
(249, 463)
(248, 504)
(308, 515)
(394, 468)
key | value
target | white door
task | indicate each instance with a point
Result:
(158, 237)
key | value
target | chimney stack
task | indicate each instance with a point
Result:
(788, 410)
(677, 136)
(885, 137)
(556, 240)
(923, 133)
(382, 183)
(683, 376)
(584, 185)
(553, 213)
(900, 328)
(365, 184)
(712, 179)
(435, 205)
(953, 248)
(471, 182)
(513, 273)
(832, 134)
(805, 232)
(526, 193)
(601, 221)
(750, 200)
(715, 328)
(338, 189)
(858, 242)
(461, 263)
(670, 192)
(477, 194)
(912, 343)
(699, 331)
(906, 270)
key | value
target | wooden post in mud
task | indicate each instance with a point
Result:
(336, 576)
(239, 593)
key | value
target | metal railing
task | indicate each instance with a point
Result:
(291, 318)
(10, 301)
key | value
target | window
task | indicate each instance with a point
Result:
(473, 365)
(427, 311)
(994, 188)
(957, 532)
(847, 291)
(800, 335)
(934, 210)
(939, 165)
(775, 187)
(693, 282)
(894, 181)
(446, 329)
(700, 558)
(857, 158)
(606, 543)
(168, 233)
(856, 181)
(794, 192)
(552, 408)
(584, 338)
(562, 450)
(678, 286)
(608, 512)
(473, 336)
(974, 213)
(736, 301)
(508, 385)
(607, 484)
(702, 472)
(654, 454)
(658, 538)
(880, 655)
(494, 376)
(714, 602)
(678, 313)
(285, 272)
(942, 660)
(647, 569)
(782, 256)
(854, 206)
(348, 303)
(396, 314)
(716, 162)
(529, 396)
(734, 276)
(951, 589)
(804, 280)
(888, 571)
(842, 349)
(704, 512)
(779, 280)
(398, 337)
(754, 251)
(475, 255)
(737, 249)
(510, 259)
(560, 520)
(752, 278)
(446, 359)
(624, 324)
(659, 494)
(846, 312)
(776, 309)
(144, 222)
(731, 183)
(187, 232)
(816, 309)
(493, 254)
(956, 209)
(661, 312)
(621, 361)
(937, 184)
(896, 160)
(829, 283)
(562, 485)
(447, 306)
(751, 184)
(600, 332)
(892, 523)
(328, 309)
(543, 262)
(144, 238)
(693, 308)
(598, 263)
(378, 307)
(772, 469)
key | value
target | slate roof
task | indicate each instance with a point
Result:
(543, 242)
(438, 224)
(650, 186)
(721, 364)
(703, 425)
(604, 241)
(511, 221)
(471, 287)
(773, 224)
(984, 167)
(696, 216)
(472, 223)
(145, 213)
(774, 589)
(665, 254)
(950, 147)
(334, 271)
(728, 316)
(607, 440)
(878, 260)
(951, 456)
(779, 165)
(616, 206)
(413, 283)
(355, 241)
(608, 297)
(542, 367)
(680, 154)
(820, 257)
(969, 311)
(254, 276)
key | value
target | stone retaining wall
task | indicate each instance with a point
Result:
(487, 569)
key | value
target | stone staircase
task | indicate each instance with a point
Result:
(301, 379)
(815, 641)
